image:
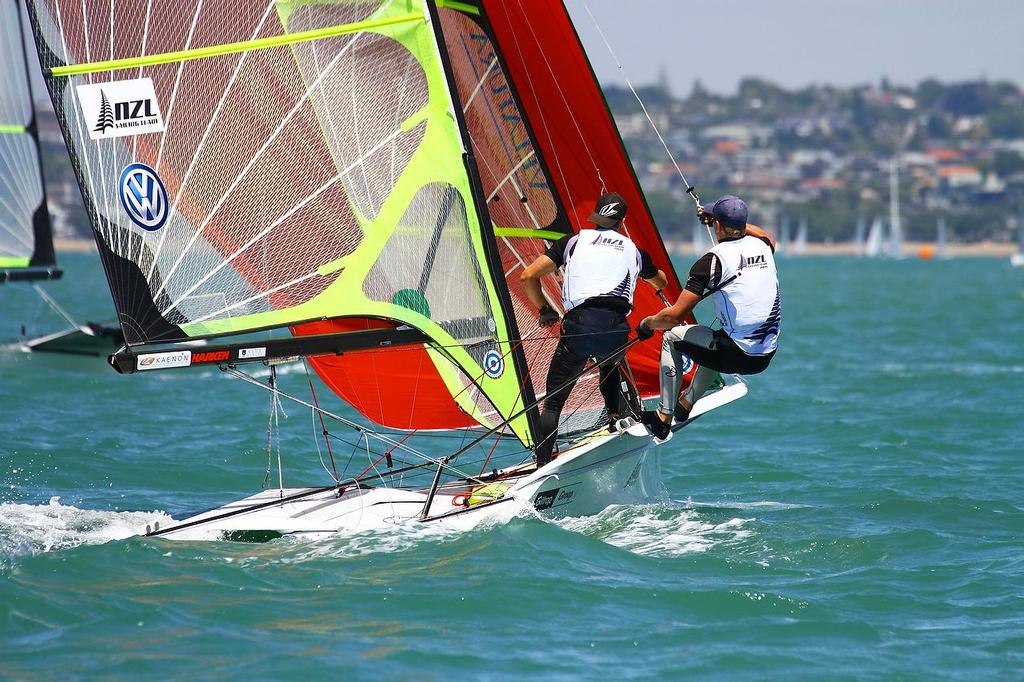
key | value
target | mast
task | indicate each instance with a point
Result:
(895, 228)
(487, 228)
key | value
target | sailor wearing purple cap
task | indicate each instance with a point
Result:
(740, 274)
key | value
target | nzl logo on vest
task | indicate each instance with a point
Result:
(614, 242)
(751, 261)
(120, 108)
(143, 196)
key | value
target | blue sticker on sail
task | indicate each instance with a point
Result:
(494, 364)
(143, 196)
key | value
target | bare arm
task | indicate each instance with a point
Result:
(755, 231)
(530, 279)
(659, 281)
(670, 317)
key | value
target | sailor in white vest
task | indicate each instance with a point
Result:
(601, 268)
(740, 270)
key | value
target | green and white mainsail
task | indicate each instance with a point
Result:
(26, 241)
(277, 162)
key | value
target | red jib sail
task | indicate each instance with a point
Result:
(577, 135)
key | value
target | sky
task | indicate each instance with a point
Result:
(798, 42)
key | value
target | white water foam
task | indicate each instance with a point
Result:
(27, 529)
(662, 530)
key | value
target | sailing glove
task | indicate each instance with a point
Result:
(644, 331)
(548, 316)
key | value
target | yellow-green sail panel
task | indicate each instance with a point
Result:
(307, 166)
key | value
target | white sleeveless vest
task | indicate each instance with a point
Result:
(750, 307)
(599, 263)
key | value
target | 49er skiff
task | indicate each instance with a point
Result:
(373, 175)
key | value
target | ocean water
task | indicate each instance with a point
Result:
(860, 515)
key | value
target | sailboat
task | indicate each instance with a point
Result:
(783, 245)
(873, 245)
(374, 177)
(1017, 259)
(941, 240)
(894, 249)
(858, 237)
(700, 239)
(800, 245)
(26, 232)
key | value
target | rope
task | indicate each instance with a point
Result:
(362, 430)
(323, 425)
(654, 126)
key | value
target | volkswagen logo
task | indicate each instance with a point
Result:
(143, 196)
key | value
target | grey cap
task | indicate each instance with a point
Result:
(729, 210)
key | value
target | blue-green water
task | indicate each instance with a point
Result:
(860, 515)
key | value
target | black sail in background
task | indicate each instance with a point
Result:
(26, 233)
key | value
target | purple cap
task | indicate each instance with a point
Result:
(730, 211)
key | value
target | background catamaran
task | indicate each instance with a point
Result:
(373, 176)
(26, 233)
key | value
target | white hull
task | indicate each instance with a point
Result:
(597, 471)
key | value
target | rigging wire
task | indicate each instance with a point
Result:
(690, 190)
(323, 425)
(355, 425)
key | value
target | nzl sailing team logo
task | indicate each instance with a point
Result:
(494, 364)
(120, 108)
(143, 196)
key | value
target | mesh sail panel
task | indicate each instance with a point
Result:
(266, 163)
(519, 194)
(21, 185)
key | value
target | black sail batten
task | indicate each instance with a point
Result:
(517, 352)
(129, 361)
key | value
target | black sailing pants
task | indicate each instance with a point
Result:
(586, 333)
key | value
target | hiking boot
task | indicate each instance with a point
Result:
(682, 414)
(658, 428)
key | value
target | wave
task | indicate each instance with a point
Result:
(660, 530)
(27, 529)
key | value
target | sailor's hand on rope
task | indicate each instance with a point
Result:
(644, 331)
(704, 217)
(549, 317)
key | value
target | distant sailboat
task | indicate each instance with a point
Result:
(858, 237)
(800, 245)
(782, 246)
(894, 249)
(873, 246)
(1017, 259)
(941, 246)
(701, 239)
